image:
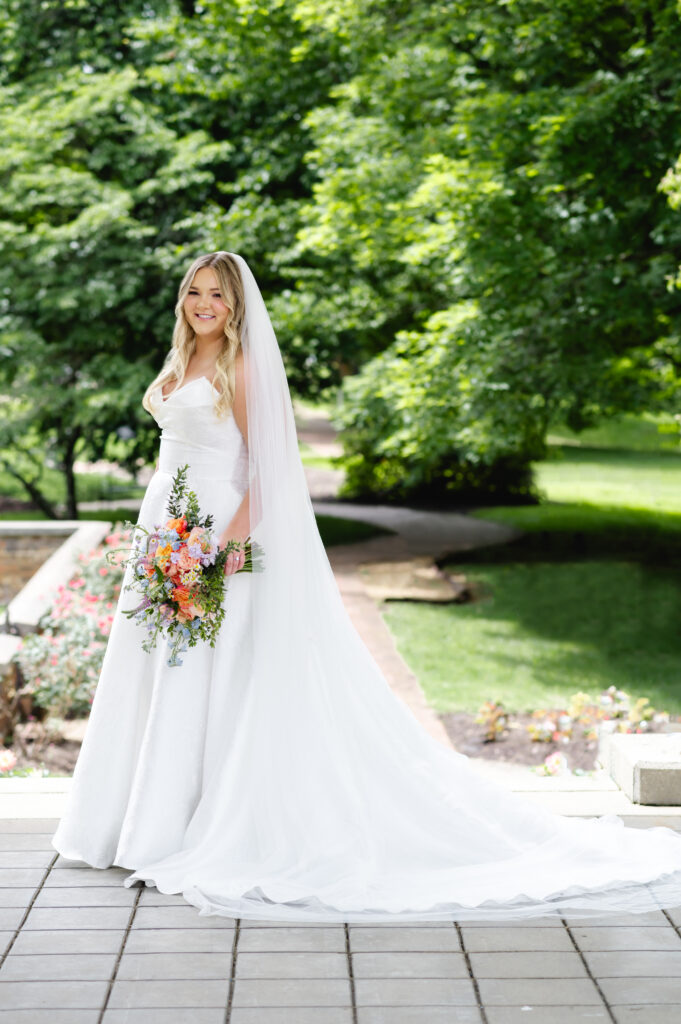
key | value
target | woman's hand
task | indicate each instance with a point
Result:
(235, 558)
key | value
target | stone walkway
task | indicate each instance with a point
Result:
(80, 948)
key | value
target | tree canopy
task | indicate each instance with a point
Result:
(463, 215)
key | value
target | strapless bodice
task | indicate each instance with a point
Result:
(192, 432)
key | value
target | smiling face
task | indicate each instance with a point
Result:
(204, 308)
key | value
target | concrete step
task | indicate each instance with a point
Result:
(647, 767)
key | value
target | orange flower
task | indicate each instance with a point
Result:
(182, 595)
(180, 525)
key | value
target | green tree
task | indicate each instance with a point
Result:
(94, 187)
(173, 129)
(488, 190)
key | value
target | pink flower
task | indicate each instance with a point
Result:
(185, 561)
(7, 759)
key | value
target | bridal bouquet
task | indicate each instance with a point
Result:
(179, 571)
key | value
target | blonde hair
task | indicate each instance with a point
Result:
(184, 337)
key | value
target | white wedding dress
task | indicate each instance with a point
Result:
(315, 799)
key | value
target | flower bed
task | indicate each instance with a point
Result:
(567, 737)
(60, 665)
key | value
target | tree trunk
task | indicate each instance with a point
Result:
(67, 466)
(41, 501)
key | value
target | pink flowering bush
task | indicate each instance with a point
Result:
(61, 664)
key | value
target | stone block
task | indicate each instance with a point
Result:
(646, 767)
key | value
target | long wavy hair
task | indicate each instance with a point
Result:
(184, 337)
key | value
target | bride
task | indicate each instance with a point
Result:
(276, 775)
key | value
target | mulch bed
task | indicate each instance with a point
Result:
(515, 745)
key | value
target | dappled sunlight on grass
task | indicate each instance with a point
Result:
(543, 632)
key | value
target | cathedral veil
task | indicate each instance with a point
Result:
(353, 811)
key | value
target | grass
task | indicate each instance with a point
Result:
(588, 597)
(543, 631)
(603, 477)
(653, 433)
(89, 487)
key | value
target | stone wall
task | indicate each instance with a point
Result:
(20, 556)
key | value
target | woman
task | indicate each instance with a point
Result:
(277, 775)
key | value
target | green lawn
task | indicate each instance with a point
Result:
(544, 631)
(589, 597)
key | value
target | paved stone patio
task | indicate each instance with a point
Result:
(80, 948)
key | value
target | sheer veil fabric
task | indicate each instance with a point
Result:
(331, 802)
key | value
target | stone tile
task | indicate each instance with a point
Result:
(291, 965)
(10, 917)
(19, 897)
(180, 940)
(17, 995)
(178, 917)
(151, 897)
(84, 876)
(640, 991)
(77, 917)
(528, 965)
(153, 966)
(291, 1015)
(635, 964)
(49, 1016)
(71, 862)
(291, 992)
(257, 922)
(449, 925)
(417, 1015)
(644, 1014)
(606, 939)
(96, 940)
(85, 896)
(516, 940)
(26, 841)
(80, 867)
(169, 993)
(57, 967)
(544, 921)
(409, 965)
(404, 940)
(675, 915)
(47, 826)
(414, 992)
(25, 858)
(538, 991)
(649, 919)
(174, 1015)
(11, 877)
(548, 1015)
(291, 940)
